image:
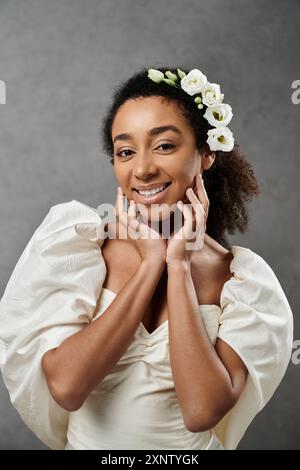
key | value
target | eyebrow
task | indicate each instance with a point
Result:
(154, 131)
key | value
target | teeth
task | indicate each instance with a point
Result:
(151, 192)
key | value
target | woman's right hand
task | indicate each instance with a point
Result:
(149, 244)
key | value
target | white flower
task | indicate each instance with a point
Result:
(211, 94)
(218, 115)
(220, 138)
(155, 75)
(193, 82)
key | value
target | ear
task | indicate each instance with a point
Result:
(207, 157)
(208, 160)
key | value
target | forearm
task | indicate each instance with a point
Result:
(202, 382)
(82, 360)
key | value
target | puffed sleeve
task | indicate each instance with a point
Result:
(257, 322)
(51, 294)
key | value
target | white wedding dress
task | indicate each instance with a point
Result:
(53, 293)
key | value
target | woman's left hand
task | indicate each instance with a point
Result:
(193, 230)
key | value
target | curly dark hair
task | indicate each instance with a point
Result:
(230, 181)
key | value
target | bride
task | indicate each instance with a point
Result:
(115, 336)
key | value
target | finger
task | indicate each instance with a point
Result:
(197, 205)
(178, 234)
(189, 219)
(132, 220)
(202, 194)
(186, 210)
(203, 186)
(119, 201)
(116, 204)
(198, 210)
(120, 212)
(131, 209)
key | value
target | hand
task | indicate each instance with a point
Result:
(149, 244)
(194, 226)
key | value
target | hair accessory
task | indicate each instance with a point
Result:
(217, 113)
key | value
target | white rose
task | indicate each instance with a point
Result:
(218, 115)
(193, 82)
(220, 138)
(155, 75)
(211, 94)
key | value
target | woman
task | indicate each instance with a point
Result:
(118, 336)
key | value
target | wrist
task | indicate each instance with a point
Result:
(179, 264)
(154, 262)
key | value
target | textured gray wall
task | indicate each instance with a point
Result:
(60, 60)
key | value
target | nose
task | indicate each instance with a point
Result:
(145, 166)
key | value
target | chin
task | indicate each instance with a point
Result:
(156, 212)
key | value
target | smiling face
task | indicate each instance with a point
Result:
(155, 147)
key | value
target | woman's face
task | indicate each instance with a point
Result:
(149, 153)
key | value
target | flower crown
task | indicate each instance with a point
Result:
(218, 114)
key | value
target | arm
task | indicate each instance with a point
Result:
(74, 368)
(208, 380)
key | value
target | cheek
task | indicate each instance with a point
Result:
(183, 169)
(121, 177)
(183, 179)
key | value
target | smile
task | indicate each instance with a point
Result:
(151, 195)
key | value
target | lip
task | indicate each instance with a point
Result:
(151, 186)
(150, 200)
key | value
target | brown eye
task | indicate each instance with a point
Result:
(168, 145)
(125, 150)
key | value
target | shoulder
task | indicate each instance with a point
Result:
(69, 238)
(256, 320)
(255, 296)
(69, 213)
(69, 220)
(252, 270)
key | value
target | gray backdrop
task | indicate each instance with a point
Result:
(60, 60)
